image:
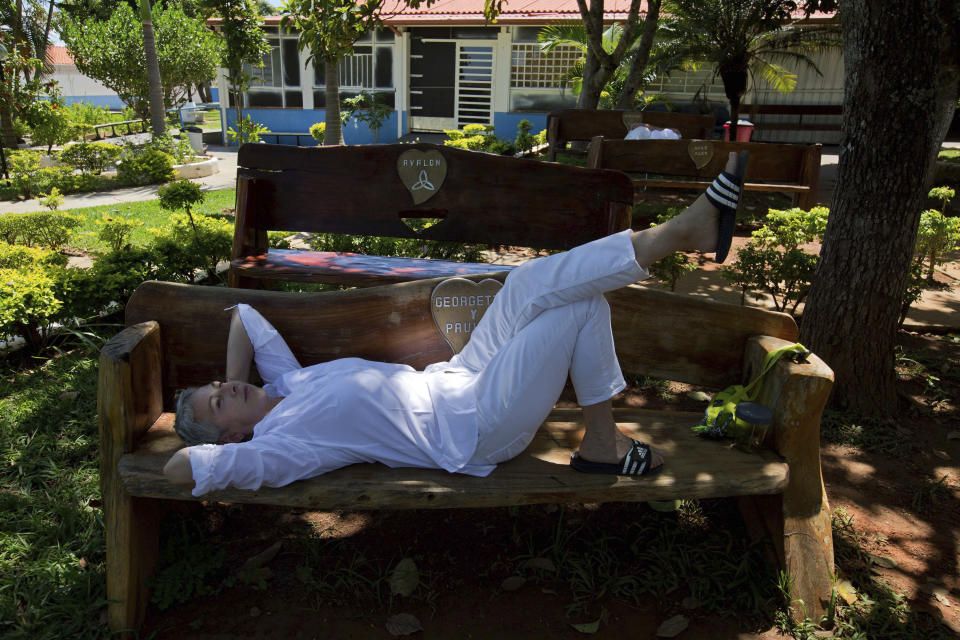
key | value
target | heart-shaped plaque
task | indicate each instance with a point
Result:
(632, 119)
(458, 304)
(422, 173)
(701, 152)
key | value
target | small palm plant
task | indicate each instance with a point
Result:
(747, 40)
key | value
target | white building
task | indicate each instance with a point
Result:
(443, 66)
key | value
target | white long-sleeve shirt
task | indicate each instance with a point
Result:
(342, 412)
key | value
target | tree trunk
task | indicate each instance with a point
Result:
(639, 65)
(158, 121)
(42, 55)
(600, 65)
(888, 144)
(236, 88)
(734, 86)
(333, 134)
(592, 85)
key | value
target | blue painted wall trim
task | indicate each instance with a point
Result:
(108, 101)
(300, 120)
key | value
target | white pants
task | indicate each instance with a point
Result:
(550, 319)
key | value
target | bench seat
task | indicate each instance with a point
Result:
(542, 474)
(353, 269)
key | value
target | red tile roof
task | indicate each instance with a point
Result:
(513, 11)
(470, 12)
(57, 54)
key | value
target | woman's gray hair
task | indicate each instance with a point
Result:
(190, 430)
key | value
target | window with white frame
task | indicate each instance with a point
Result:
(369, 69)
(277, 82)
(533, 69)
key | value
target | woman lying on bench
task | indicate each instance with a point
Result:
(466, 415)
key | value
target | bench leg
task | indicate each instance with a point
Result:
(808, 553)
(132, 548)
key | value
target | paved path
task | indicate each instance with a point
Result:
(937, 310)
(225, 178)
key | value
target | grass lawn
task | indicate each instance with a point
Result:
(148, 212)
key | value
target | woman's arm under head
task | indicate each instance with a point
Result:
(178, 470)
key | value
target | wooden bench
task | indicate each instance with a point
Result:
(581, 125)
(276, 135)
(756, 114)
(370, 190)
(693, 164)
(176, 336)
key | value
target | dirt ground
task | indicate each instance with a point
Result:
(910, 527)
(903, 505)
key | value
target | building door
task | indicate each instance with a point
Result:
(451, 83)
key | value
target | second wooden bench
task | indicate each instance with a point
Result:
(371, 190)
(693, 164)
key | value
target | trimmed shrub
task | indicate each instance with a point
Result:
(116, 232)
(318, 131)
(185, 247)
(49, 229)
(149, 167)
(91, 157)
(773, 261)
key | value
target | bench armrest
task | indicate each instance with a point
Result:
(130, 390)
(797, 393)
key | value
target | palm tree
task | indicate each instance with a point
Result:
(747, 40)
(158, 120)
(620, 90)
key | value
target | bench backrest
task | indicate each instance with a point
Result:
(772, 163)
(657, 333)
(569, 125)
(369, 190)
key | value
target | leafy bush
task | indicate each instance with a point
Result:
(247, 131)
(92, 157)
(85, 115)
(318, 131)
(187, 246)
(48, 229)
(28, 303)
(23, 164)
(773, 262)
(50, 125)
(673, 267)
(13, 256)
(149, 167)
(937, 234)
(29, 284)
(116, 232)
(180, 194)
(177, 148)
(53, 200)
(404, 247)
(368, 108)
(524, 141)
